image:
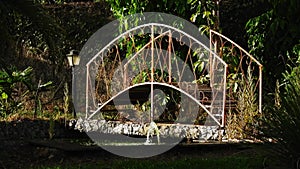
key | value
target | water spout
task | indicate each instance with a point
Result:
(152, 128)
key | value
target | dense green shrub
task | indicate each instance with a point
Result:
(272, 34)
(11, 82)
(202, 13)
(18, 89)
(282, 121)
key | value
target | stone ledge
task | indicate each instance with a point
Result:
(194, 132)
(30, 129)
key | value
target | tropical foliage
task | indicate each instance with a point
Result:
(11, 85)
(202, 13)
(30, 46)
(33, 35)
(282, 121)
(273, 38)
(272, 34)
(26, 25)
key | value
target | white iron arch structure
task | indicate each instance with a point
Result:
(166, 58)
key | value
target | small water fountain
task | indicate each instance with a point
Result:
(151, 131)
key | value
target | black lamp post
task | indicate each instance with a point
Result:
(73, 59)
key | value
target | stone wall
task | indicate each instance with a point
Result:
(194, 132)
(40, 129)
(33, 129)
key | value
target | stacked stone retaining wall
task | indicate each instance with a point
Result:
(33, 129)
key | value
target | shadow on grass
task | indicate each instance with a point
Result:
(188, 163)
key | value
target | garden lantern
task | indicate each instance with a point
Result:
(73, 59)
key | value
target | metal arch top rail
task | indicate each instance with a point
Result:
(161, 84)
(155, 24)
(170, 29)
(211, 32)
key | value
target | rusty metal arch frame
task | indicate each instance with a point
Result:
(214, 46)
(160, 84)
(213, 56)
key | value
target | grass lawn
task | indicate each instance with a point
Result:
(231, 162)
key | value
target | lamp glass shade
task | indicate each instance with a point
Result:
(76, 60)
(73, 58)
(70, 60)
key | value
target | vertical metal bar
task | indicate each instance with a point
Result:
(224, 96)
(260, 89)
(73, 91)
(218, 15)
(125, 77)
(152, 74)
(169, 50)
(87, 91)
(210, 51)
(213, 64)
